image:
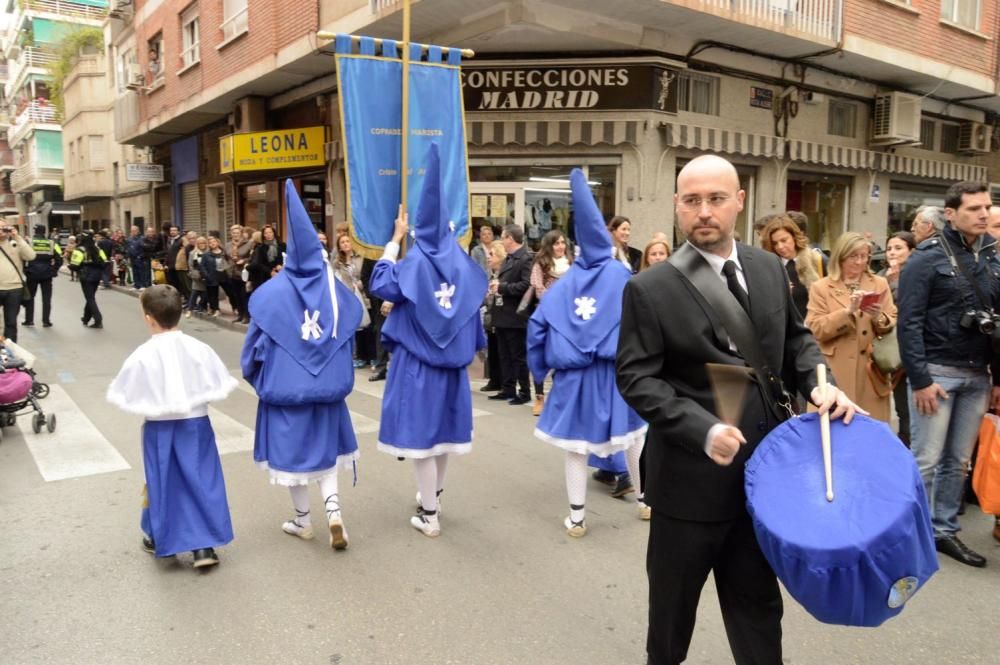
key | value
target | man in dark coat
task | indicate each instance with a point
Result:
(694, 462)
(511, 328)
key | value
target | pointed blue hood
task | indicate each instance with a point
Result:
(300, 294)
(444, 284)
(585, 305)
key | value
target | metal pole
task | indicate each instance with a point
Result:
(405, 135)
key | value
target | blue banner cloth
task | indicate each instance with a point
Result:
(371, 137)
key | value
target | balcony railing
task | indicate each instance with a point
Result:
(33, 56)
(235, 25)
(383, 5)
(29, 177)
(36, 111)
(65, 8)
(820, 18)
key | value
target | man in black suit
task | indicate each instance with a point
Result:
(694, 463)
(507, 290)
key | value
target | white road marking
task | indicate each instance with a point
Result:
(231, 436)
(77, 448)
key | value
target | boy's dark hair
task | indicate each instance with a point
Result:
(163, 303)
(953, 197)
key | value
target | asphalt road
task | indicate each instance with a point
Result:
(503, 584)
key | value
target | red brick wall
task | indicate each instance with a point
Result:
(272, 26)
(923, 34)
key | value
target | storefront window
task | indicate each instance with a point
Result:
(254, 198)
(824, 200)
(537, 197)
(905, 198)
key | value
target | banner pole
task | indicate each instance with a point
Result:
(404, 157)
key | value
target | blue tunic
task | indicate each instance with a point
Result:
(186, 494)
(584, 412)
(427, 406)
(303, 425)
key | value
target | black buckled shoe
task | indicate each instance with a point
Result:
(623, 486)
(501, 396)
(959, 551)
(148, 545)
(205, 557)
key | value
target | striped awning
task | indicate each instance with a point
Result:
(832, 155)
(680, 135)
(566, 132)
(932, 168)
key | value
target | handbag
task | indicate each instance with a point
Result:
(366, 317)
(526, 307)
(986, 475)
(885, 352)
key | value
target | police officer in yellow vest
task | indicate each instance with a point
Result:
(90, 260)
(39, 272)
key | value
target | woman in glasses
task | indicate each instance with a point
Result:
(847, 310)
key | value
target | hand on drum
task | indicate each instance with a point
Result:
(838, 401)
(725, 444)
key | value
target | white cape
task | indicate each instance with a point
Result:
(170, 374)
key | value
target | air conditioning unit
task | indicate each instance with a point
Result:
(249, 115)
(135, 81)
(896, 119)
(810, 97)
(120, 9)
(974, 137)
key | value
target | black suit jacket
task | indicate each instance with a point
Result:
(668, 333)
(515, 278)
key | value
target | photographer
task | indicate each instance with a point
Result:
(948, 298)
(15, 252)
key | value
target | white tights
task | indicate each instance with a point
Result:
(328, 490)
(576, 479)
(430, 480)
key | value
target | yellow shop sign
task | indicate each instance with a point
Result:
(280, 149)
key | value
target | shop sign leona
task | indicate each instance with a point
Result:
(601, 87)
(144, 172)
(278, 149)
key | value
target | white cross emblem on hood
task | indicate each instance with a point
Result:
(444, 295)
(585, 307)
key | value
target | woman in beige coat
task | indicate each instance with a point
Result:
(845, 330)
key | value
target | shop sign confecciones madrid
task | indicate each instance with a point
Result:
(583, 86)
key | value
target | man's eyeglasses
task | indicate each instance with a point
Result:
(695, 202)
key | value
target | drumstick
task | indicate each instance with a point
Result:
(824, 432)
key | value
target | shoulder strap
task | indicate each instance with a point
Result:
(18, 272)
(985, 303)
(735, 320)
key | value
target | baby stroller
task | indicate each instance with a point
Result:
(20, 391)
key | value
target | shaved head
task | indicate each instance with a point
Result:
(707, 202)
(709, 165)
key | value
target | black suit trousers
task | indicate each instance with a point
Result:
(681, 553)
(513, 346)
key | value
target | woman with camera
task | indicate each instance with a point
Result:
(16, 251)
(847, 310)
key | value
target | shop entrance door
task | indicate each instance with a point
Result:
(535, 209)
(824, 199)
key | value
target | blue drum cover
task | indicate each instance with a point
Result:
(856, 560)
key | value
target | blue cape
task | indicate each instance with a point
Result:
(436, 264)
(284, 304)
(593, 285)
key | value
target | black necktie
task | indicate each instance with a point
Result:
(793, 273)
(729, 270)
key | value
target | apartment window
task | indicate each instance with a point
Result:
(190, 54)
(95, 146)
(842, 119)
(949, 137)
(127, 69)
(697, 93)
(961, 12)
(71, 165)
(155, 59)
(234, 19)
(927, 128)
(81, 163)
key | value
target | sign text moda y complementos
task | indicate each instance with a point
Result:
(568, 87)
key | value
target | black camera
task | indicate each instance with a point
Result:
(984, 322)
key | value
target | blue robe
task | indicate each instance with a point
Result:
(186, 507)
(584, 412)
(427, 406)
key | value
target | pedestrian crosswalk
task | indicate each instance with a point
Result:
(78, 448)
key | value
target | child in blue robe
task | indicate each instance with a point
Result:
(433, 333)
(170, 380)
(574, 332)
(298, 356)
